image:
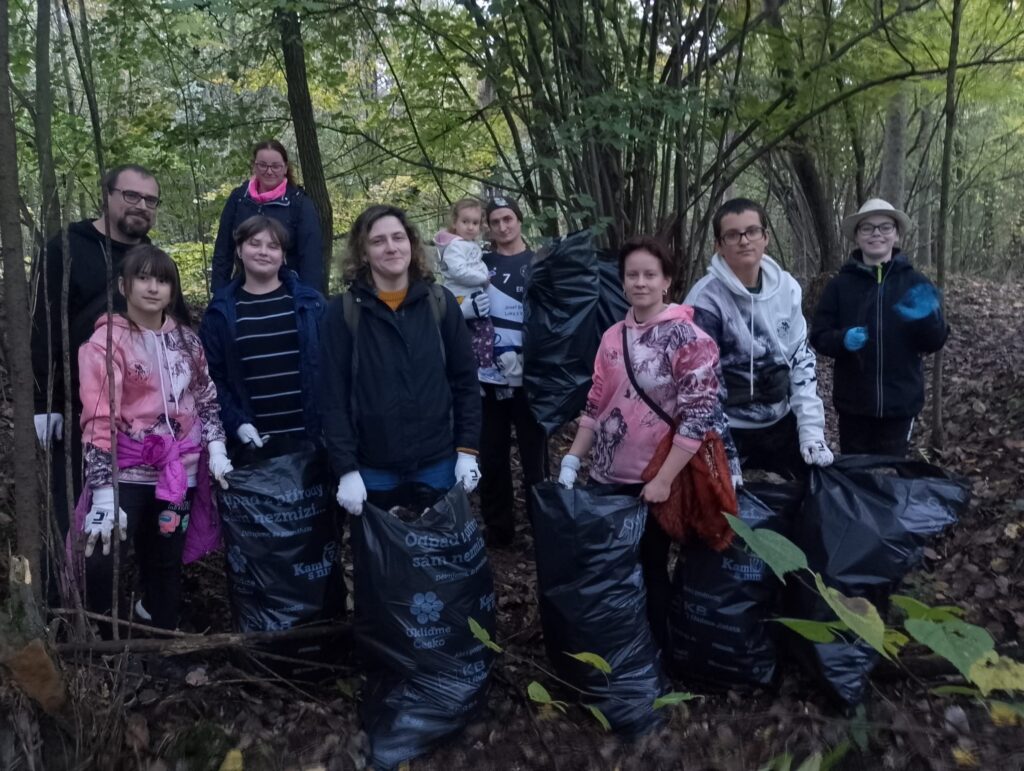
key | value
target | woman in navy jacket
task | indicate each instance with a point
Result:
(401, 402)
(264, 292)
(877, 318)
(272, 192)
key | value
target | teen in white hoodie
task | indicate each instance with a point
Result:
(751, 307)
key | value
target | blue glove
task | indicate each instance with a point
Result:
(921, 300)
(855, 338)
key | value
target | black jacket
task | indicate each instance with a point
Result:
(218, 333)
(295, 210)
(412, 407)
(885, 378)
(87, 300)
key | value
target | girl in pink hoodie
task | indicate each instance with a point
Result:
(675, 363)
(165, 416)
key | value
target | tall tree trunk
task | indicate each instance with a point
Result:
(17, 325)
(49, 213)
(894, 151)
(942, 236)
(925, 231)
(301, 106)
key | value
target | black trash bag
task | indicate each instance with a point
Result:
(281, 539)
(416, 586)
(560, 329)
(720, 623)
(612, 305)
(864, 524)
(592, 600)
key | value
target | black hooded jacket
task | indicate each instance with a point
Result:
(410, 405)
(885, 378)
(87, 299)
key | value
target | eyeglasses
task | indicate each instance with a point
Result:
(866, 228)
(269, 166)
(132, 198)
(733, 237)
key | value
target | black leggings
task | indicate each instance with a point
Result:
(158, 547)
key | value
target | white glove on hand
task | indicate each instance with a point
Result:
(49, 425)
(567, 471)
(737, 481)
(476, 306)
(248, 434)
(99, 522)
(351, 493)
(467, 471)
(220, 466)
(816, 453)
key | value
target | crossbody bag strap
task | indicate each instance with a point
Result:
(640, 392)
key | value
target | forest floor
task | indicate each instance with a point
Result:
(190, 712)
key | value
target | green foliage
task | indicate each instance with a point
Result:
(483, 635)
(593, 660)
(539, 694)
(859, 615)
(599, 717)
(960, 643)
(782, 555)
(815, 631)
(673, 698)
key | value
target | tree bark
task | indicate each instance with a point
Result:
(942, 235)
(49, 211)
(17, 324)
(301, 106)
(894, 151)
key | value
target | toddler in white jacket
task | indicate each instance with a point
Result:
(460, 259)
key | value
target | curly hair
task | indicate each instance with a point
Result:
(356, 265)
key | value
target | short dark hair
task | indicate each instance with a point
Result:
(110, 179)
(737, 206)
(649, 244)
(260, 223)
(277, 147)
(357, 267)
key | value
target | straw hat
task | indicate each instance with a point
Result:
(874, 206)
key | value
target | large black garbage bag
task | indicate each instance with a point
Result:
(612, 305)
(592, 600)
(281, 539)
(417, 584)
(864, 523)
(720, 623)
(560, 329)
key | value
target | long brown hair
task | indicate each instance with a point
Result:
(356, 265)
(277, 147)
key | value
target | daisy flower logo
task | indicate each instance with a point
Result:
(426, 607)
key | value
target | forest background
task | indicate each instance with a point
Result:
(624, 116)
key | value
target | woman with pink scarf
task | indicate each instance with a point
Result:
(272, 192)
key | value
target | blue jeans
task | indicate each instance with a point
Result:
(440, 476)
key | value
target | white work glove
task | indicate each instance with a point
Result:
(467, 471)
(220, 466)
(567, 471)
(351, 493)
(248, 434)
(737, 481)
(816, 453)
(49, 425)
(476, 306)
(99, 522)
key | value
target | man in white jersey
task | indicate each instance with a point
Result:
(504, 401)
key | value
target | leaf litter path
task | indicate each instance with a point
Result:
(191, 713)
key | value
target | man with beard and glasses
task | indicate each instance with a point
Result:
(132, 197)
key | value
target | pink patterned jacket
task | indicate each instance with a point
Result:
(676, 364)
